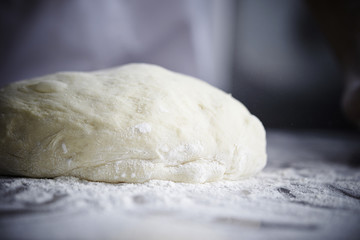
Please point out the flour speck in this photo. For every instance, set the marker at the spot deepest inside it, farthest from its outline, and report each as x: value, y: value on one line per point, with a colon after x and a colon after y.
x: 64, y: 148
x: 143, y: 127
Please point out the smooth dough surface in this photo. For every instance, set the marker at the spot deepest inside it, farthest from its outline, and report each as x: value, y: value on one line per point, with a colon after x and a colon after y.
x: 128, y: 124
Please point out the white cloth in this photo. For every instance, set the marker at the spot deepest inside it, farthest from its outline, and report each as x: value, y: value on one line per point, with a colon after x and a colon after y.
x: 81, y: 35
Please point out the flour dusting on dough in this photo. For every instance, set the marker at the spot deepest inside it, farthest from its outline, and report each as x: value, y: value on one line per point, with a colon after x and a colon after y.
x: 64, y: 148
x: 134, y: 123
x: 143, y: 128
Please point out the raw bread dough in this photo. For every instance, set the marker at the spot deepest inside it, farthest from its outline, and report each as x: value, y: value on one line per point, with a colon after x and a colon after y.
x: 128, y: 124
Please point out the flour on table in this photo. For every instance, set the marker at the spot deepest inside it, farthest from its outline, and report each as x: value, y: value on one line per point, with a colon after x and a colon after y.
x: 307, y: 191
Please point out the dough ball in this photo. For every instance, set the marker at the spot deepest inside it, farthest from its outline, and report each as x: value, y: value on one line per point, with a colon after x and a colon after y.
x: 128, y: 124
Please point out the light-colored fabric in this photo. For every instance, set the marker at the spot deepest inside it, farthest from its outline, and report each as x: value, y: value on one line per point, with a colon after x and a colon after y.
x: 81, y: 35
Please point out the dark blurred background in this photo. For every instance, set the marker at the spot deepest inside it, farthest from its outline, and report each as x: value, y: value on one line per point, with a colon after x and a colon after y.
x: 271, y: 55
x: 284, y: 70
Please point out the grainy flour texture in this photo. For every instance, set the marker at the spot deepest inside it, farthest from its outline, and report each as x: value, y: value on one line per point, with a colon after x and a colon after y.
x: 309, y: 190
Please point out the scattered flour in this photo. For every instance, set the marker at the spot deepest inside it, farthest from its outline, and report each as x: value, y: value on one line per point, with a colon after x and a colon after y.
x: 143, y: 127
x: 64, y: 148
x: 311, y: 196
